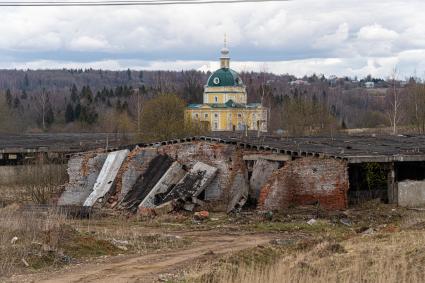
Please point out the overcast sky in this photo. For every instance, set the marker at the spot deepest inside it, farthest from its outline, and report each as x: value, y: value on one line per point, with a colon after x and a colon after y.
x: 331, y: 37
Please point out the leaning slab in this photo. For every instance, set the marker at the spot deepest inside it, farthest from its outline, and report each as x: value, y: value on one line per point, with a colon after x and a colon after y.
x: 144, y: 184
x: 173, y: 175
x: 106, y: 177
x: 83, y: 170
x: 193, y: 183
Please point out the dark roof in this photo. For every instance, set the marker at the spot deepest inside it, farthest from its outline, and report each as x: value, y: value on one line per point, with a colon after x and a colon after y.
x: 355, y: 149
x: 57, y: 142
x: 225, y: 77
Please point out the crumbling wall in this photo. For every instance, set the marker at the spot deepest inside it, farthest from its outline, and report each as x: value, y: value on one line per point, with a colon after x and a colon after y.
x: 219, y: 156
x: 307, y: 181
x: 411, y: 193
x: 261, y: 172
x: 83, y: 170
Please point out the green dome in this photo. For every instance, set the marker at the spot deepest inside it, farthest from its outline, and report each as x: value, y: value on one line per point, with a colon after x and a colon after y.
x: 224, y: 77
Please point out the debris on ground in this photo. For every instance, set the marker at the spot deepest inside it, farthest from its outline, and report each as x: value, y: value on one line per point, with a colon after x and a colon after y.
x: 201, y: 215
x: 13, y: 241
x: 312, y: 221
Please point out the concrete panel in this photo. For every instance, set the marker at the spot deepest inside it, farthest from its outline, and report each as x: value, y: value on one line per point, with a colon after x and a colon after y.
x: 83, y: 171
x: 173, y: 175
x: 133, y: 167
x: 106, y: 177
x: 193, y: 183
x: 261, y: 172
x: 411, y: 193
x: 238, y: 191
x: 156, y: 169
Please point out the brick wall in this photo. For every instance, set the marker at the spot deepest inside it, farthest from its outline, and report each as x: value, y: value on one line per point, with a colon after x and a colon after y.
x: 226, y: 158
x: 305, y: 181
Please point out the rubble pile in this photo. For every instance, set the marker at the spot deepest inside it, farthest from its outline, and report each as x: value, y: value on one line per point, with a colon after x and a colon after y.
x: 197, y: 176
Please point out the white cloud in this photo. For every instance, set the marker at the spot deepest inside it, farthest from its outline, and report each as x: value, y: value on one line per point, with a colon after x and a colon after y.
x: 87, y: 43
x: 376, y: 33
x: 328, y: 36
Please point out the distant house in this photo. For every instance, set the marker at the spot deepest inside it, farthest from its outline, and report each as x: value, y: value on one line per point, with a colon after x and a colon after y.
x: 299, y: 82
x: 369, y: 84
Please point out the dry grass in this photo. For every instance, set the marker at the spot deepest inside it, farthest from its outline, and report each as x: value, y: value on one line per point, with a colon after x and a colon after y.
x: 35, y: 234
x: 382, y: 257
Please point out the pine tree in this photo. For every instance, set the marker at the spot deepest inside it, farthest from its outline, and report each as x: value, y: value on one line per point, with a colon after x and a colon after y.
x: 69, y: 114
x: 9, y: 98
x: 74, y: 93
x: 77, y: 111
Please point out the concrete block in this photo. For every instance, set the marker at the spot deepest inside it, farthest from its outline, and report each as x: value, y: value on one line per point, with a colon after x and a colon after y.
x: 106, y: 177
x: 173, y: 175
x: 164, y: 208
x: 411, y: 193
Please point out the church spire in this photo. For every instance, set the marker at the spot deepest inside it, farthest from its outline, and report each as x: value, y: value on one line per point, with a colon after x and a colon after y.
x: 225, y: 59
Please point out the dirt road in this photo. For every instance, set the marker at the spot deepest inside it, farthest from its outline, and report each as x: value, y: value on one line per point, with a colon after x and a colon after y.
x: 147, y: 268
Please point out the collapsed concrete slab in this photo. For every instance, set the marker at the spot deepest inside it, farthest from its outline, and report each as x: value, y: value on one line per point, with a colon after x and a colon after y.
x: 173, y: 175
x: 261, y: 172
x: 132, y: 168
x: 106, y: 177
x: 238, y: 191
x: 411, y: 193
x: 193, y: 183
x: 307, y: 181
x: 83, y: 170
x: 158, y: 166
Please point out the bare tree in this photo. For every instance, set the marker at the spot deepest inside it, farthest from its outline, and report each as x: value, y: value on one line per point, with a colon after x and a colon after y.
x: 394, y: 102
x: 137, y: 101
x: 41, y: 103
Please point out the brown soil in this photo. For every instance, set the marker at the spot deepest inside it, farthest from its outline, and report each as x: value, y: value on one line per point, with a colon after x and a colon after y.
x: 147, y: 268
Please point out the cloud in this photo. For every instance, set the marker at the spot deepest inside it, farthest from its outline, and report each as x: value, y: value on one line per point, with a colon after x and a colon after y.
x: 87, y: 43
x: 376, y: 33
x: 306, y: 36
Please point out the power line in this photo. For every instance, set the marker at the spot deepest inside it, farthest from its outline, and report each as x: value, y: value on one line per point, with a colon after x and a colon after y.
x: 126, y: 3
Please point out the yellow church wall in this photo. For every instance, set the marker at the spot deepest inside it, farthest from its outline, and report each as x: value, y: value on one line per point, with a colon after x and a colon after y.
x: 238, y: 116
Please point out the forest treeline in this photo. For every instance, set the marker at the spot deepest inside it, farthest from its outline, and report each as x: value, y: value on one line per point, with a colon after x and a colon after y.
x: 117, y: 101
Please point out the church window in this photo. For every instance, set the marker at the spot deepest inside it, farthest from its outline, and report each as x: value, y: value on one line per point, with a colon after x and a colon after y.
x: 215, y: 99
x: 239, y: 115
x: 206, y: 115
x: 215, y: 125
x: 215, y: 115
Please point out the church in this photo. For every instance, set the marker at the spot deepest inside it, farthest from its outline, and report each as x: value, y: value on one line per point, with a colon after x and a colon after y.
x: 225, y: 106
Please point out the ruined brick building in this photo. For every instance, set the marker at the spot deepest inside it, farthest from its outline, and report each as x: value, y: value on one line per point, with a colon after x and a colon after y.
x: 269, y: 173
